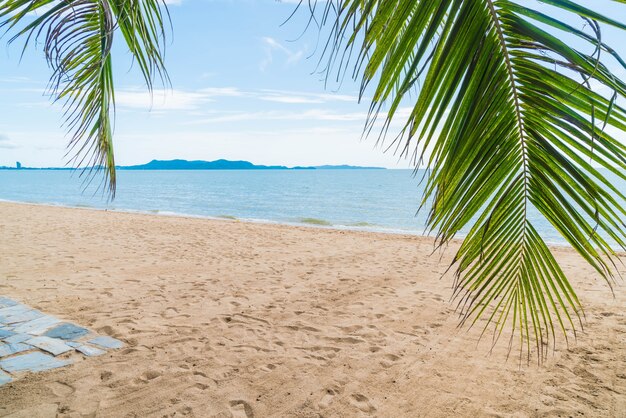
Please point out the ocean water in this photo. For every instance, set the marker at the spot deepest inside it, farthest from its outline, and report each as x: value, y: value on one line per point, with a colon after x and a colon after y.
x: 376, y: 200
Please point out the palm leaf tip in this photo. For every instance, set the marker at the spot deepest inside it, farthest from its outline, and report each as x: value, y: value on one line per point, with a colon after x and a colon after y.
x: 77, y: 38
x: 509, y: 124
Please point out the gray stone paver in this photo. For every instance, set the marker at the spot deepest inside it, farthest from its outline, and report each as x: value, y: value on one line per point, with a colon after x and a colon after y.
x: 32, y: 362
x: 17, y: 338
x: 53, y: 346
x: 106, y: 342
x: 4, y: 378
x: 5, y: 333
x: 8, y: 349
x: 89, y: 350
x: 26, y: 332
x: 67, y: 331
x: 37, y: 326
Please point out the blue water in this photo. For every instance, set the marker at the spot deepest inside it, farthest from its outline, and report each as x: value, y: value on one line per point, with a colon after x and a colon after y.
x: 379, y: 200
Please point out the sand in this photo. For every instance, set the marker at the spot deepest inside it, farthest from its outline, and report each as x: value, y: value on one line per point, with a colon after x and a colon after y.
x: 225, y: 318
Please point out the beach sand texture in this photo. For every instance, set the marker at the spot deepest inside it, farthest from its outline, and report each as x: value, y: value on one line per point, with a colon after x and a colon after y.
x: 232, y: 319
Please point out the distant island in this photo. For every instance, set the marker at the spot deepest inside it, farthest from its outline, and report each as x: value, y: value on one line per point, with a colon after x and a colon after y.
x: 207, y: 165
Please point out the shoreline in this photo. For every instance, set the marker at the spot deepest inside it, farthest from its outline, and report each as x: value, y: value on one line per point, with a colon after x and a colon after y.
x: 352, y: 228
x: 332, y: 227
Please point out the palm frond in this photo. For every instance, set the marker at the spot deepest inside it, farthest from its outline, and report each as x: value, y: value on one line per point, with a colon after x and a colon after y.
x: 77, y: 40
x: 510, y: 119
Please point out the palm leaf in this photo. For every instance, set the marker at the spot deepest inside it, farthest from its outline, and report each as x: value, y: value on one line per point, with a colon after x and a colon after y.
x: 78, y: 37
x: 507, y: 120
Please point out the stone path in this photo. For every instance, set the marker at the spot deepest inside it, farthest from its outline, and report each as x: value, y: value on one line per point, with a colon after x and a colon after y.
x: 31, y: 341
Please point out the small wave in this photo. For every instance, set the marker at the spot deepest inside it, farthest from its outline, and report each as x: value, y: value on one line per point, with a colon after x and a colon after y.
x: 231, y: 217
x: 315, y: 221
x: 362, y: 224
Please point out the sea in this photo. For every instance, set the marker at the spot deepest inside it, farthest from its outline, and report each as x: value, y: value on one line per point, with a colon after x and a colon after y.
x: 368, y: 200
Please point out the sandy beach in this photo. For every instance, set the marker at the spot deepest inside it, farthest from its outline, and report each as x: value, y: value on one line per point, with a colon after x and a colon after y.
x: 232, y: 319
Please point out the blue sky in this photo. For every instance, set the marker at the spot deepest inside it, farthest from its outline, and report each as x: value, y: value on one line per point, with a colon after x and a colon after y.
x: 243, y: 87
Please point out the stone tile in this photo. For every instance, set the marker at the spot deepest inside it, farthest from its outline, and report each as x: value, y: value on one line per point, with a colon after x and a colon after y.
x: 8, y: 349
x: 5, y: 333
x: 12, y: 310
x: 33, y: 362
x: 6, y: 302
x: 67, y: 332
x: 106, y: 342
x: 37, y: 326
x: 18, y: 338
x: 51, y: 345
x: 22, y: 317
x: 4, y: 378
x: 89, y: 350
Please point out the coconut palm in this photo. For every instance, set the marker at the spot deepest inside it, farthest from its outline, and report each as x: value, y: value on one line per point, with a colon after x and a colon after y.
x: 509, y: 109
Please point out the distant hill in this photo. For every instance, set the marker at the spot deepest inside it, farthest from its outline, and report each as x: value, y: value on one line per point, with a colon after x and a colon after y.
x: 346, y: 167
x: 229, y: 165
x: 208, y: 165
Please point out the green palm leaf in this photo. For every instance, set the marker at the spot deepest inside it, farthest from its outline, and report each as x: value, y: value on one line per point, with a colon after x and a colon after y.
x: 507, y: 121
x: 78, y: 37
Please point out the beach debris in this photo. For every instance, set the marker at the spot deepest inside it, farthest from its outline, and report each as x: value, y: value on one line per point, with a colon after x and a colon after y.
x: 32, y: 362
x: 67, y: 331
x: 28, y: 335
x: 53, y: 346
x: 106, y: 342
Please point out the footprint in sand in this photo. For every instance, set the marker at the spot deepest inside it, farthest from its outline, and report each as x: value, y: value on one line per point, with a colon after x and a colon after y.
x: 329, y: 397
x: 389, y: 360
x: 61, y: 389
x: 150, y: 375
x: 169, y: 313
x: 241, y: 409
x: 362, y: 402
x: 268, y: 367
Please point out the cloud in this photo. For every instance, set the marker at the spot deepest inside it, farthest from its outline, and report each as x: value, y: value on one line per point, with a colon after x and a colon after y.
x: 172, y: 100
x: 15, y: 80
x: 271, y: 45
x: 283, y: 96
x: 313, y: 114
x: 161, y: 99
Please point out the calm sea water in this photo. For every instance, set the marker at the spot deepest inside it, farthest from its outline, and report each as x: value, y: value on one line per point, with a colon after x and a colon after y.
x: 380, y: 200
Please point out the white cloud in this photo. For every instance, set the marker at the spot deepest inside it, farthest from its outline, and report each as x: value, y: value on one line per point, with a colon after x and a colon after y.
x: 161, y: 99
x: 312, y: 114
x: 284, y: 96
x: 271, y: 45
